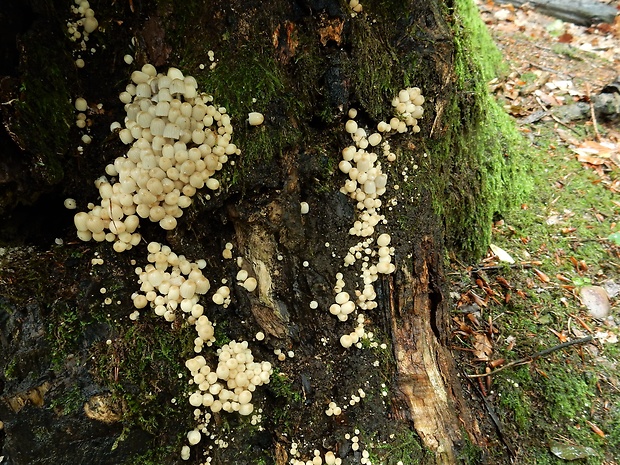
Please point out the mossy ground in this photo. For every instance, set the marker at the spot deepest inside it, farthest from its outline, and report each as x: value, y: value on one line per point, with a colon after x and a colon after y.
x: 571, y: 395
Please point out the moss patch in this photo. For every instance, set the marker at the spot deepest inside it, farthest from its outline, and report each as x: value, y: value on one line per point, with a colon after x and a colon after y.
x: 562, y: 229
x: 482, y: 152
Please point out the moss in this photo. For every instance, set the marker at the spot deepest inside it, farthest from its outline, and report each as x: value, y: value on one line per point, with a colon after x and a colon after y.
x: 373, y: 69
x: 473, y: 36
x: 568, y: 394
x: 404, y: 446
x: 141, y: 370
x: 70, y: 401
x: 10, y: 372
x: 64, y: 330
x: 282, y: 387
x: 481, y: 152
x: 155, y: 456
x: 513, y: 399
x: 469, y: 453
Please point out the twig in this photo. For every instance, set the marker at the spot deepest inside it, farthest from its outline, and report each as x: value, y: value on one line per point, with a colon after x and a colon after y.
x: 500, y: 267
x: 555, y: 118
x: 496, y: 421
x: 549, y: 70
x: 597, y: 135
x: 531, y: 358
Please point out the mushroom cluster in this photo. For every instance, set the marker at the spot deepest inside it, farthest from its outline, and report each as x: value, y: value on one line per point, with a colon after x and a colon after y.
x: 229, y: 388
x: 179, y: 140
x: 79, y: 29
x: 356, y: 6
x: 83, y: 26
x: 171, y: 282
x: 366, y: 184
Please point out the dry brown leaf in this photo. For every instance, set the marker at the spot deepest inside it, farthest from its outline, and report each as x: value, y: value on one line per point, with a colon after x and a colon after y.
x: 565, y: 38
x: 567, y: 137
x: 583, y: 157
x: 561, y: 336
x: 481, y: 303
x: 542, y: 276
x: 503, y: 282
x: 483, y: 347
x: 596, y: 429
x: 563, y: 278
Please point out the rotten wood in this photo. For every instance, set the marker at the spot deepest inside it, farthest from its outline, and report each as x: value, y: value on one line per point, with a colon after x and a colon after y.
x: 426, y: 378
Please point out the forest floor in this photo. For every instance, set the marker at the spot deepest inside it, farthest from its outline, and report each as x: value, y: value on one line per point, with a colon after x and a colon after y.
x: 538, y: 318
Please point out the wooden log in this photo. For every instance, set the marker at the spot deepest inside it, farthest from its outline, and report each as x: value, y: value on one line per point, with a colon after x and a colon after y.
x: 582, y: 12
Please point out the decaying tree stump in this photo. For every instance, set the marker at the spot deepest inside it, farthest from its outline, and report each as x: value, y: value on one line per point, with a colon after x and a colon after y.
x: 303, y: 65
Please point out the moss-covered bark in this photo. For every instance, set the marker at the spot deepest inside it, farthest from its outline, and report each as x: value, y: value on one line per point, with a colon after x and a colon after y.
x: 303, y: 65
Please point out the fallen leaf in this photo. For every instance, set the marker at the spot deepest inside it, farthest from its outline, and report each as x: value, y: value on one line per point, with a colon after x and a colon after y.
x: 570, y: 451
x: 471, y: 317
x: 584, y: 157
x: 567, y: 137
x: 606, y: 337
x: 542, y: 276
x: 501, y: 254
x: 563, y: 278
x: 561, y: 336
x: 503, y: 282
x: 477, y: 299
x: 596, y: 429
x: 482, y: 346
x: 554, y: 219
x: 596, y: 300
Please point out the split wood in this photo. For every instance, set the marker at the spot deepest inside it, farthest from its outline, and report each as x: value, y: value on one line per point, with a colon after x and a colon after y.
x: 531, y: 358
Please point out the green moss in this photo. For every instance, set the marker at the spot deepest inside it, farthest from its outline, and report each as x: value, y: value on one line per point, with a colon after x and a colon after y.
x: 282, y: 387
x: 155, y: 456
x: 136, y: 369
x: 474, y: 41
x: 10, y: 372
x: 64, y: 330
x: 469, y: 453
x: 405, y: 447
x: 515, y: 404
x: 481, y: 151
x: 568, y: 395
x: 567, y: 51
x: 70, y: 401
x: 373, y: 68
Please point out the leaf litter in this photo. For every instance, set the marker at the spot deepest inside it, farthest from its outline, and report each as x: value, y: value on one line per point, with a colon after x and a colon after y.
x: 546, y: 294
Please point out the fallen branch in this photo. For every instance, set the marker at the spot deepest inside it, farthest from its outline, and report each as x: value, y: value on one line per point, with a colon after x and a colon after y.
x: 583, y: 12
x: 531, y: 358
